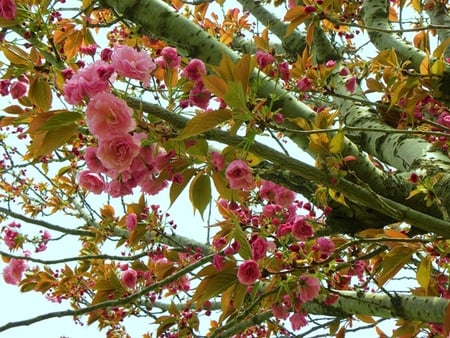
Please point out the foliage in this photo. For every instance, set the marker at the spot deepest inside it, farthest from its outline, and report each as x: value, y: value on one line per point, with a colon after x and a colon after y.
x: 323, y: 161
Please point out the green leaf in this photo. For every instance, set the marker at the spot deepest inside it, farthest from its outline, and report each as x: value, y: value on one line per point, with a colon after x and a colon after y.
x: 40, y: 93
x: 337, y: 143
x: 423, y: 274
x: 200, y: 192
x: 59, y: 120
x: 177, y: 188
x: 203, y: 122
x: 237, y: 99
x: 212, y: 286
x: 245, y: 251
x: 393, y: 262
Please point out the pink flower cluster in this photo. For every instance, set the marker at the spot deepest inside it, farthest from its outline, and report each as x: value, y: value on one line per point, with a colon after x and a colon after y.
x: 95, y: 78
x: 17, y: 89
x: 276, y: 194
x: 12, y: 273
x: 11, y: 236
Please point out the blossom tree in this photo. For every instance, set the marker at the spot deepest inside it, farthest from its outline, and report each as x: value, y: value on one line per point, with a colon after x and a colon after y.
x: 314, y: 132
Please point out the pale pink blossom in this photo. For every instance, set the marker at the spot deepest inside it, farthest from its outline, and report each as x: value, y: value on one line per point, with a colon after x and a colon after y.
x: 117, y: 152
x: 129, y: 278
x: 12, y: 273
x: 131, y: 221
x: 248, y: 272
x: 308, y: 289
x: 169, y: 58
x: 91, y: 181
x: 8, y: 9
x: 330, y: 63
x: 259, y: 248
x: 108, y: 115
x: 264, y: 59
x: 301, y: 230
x: 298, y: 320
x: 128, y: 62
x: 88, y: 81
x: 239, y: 175
x: 18, y: 89
x: 275, y: 193
x: 194, y: 70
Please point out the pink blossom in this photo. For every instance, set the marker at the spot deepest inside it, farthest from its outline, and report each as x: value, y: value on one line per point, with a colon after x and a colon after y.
x: 301, y: 230
x: 131, y: 221
x: 330, y: 63
x: 324, y: 246
x: 106, y: 54
x: 152, y: 186
x: 18, y: 89
x: 129, y: 278
x: 89, y: 49
x: 350, y: 84
x: 92, y: 161
x: 239, y: 175
x: 284, y: 229
x: 298, y: 320
x: 194, y: 70
x: 248, y: 272
x: 218, y: 262
x: 8, y: 9
x: 218, y: 160
x: 275, y: 193
x: 91, y: 181
x: 199, y: 96
x: 4, y: 87
x: 108, y: 115
x: 169, y: 58
x: 304, y: 84
x: 86, y: 82
x: 283, y: 70
x: 12, y: 273
x: 259, y: 248
x: 117, y: 152
x: 264, y: 59
x: 115, y: 188
x: 128, y: 62
x: 280, y: 311
x: 309, y: 287
x: 10, y: 237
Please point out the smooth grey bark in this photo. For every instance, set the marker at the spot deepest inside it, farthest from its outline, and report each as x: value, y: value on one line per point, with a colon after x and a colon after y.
x: 414, y: 308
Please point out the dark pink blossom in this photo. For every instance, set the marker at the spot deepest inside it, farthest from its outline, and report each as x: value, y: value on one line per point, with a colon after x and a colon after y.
x: 259, y: 248
x: 129, y: 278
x: 218, y: 160
x: 350, y: 84
x: 194, y: 70
x: 248, y: 272
x: 18, y: 89
x: 218, y: 262
x: 169, y: 58
x: 304, y: 84
x: 8, y: 9
x: 324, y: 246
x: 199, y: 96
x: 264, y: 59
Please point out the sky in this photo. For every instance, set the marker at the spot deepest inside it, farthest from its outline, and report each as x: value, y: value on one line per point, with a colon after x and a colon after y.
x: 17, y: 306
